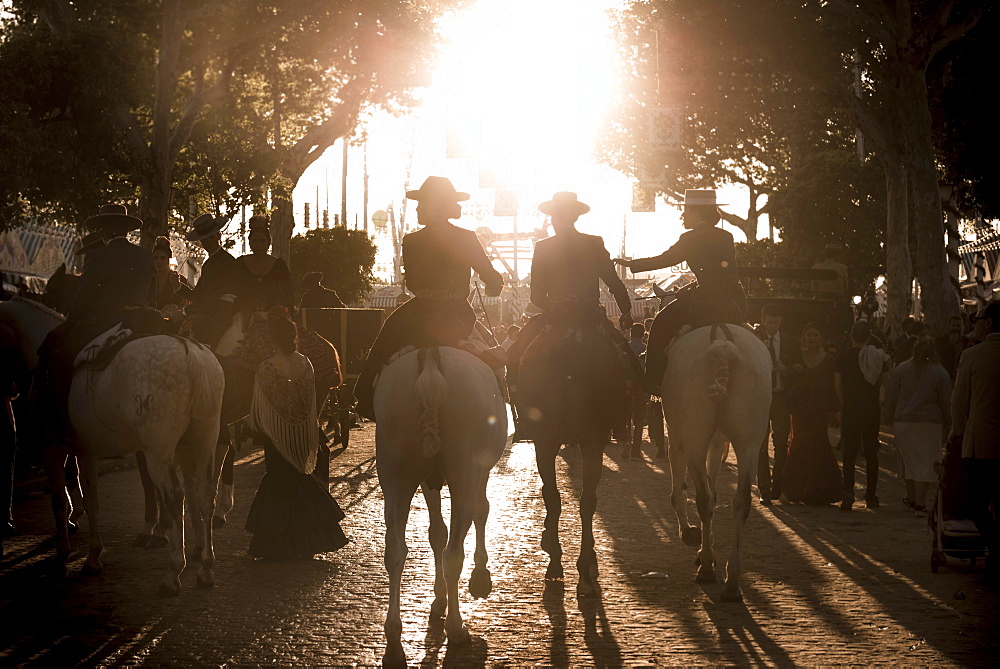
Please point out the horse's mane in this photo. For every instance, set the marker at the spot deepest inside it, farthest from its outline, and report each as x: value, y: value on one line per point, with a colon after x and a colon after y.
x: 48, y: 311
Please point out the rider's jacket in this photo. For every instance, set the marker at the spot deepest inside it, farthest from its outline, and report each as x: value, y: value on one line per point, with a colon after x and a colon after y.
x: 221, y: 274
x: 567, y: 268
x: 439, y: 259
x: 709, y: 252
x: 117, y: 275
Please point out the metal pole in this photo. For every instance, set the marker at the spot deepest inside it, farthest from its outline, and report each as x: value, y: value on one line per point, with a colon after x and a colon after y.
x: 343, y: 188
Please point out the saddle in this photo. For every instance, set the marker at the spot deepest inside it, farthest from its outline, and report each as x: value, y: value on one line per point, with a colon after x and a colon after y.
x: 136, y: 324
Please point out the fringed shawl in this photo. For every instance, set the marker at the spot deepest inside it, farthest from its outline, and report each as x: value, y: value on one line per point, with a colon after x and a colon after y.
x: 285, y: 411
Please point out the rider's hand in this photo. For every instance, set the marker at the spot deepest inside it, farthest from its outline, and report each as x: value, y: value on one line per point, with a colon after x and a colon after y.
x: 623, y: 262
x: 625, y: 321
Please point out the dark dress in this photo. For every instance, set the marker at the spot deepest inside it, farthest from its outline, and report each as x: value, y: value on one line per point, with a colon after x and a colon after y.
x: 261, y: 292
x: 812, y: 474
x: 293, y: 514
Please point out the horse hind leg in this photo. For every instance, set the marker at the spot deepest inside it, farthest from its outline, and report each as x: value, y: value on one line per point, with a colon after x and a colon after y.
x: 706, y: 511
x: 746, y: 457
x: 151, y: 534
x: 170, y: 494
x: 88, y: 479
x: 481, y: 581
x: 586, y: 564
x: 225, y: 453
x: 397, y: 509
x: 55, y: 470
x: 438, y: 535
x: 201, y: 484
x: 690, y: 534
x: 463, y: 510
x: 545, y: 460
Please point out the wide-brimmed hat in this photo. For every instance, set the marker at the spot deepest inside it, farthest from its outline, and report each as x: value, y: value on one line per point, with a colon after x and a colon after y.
x: 562, y: 201
x: 700, y: 197
x: 89, y: 242
x: 204, y: 226
x: 113, y: 218
x: 437, y: 188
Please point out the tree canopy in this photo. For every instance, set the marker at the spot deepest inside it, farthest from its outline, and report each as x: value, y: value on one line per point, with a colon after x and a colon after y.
x: 345, y: 257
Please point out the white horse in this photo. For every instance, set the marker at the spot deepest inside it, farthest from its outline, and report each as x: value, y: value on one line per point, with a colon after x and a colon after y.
x: 160, y: 395
x: 718, y: 380
x: 440, y: 420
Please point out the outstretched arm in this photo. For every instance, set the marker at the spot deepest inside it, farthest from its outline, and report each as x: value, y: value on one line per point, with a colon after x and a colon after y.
x: 484, y: 268
x: 675, y: 255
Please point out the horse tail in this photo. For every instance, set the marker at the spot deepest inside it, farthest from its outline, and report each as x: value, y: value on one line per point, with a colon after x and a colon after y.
x: 722, y: 353
x: 432, y: 388
x: 205, y: 397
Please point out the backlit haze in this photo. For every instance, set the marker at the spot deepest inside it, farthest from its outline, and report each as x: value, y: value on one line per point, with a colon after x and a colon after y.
x: 517, y: 98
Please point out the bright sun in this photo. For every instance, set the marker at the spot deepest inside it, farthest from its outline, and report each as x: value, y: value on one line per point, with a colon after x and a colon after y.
x: 525, y: 84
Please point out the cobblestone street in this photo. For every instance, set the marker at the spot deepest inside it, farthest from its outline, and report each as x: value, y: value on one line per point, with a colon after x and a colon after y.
x: 821, y: 586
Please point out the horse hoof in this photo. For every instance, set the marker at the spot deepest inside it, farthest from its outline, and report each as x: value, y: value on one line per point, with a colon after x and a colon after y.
x: 218, y: 522
x: 691, y: 536
x: 585, y: 588
x: 207, y: 581
x: 733, y: 594
x: 169, y: 590
x: 458, y: 637
x: 88, y: 570
x: 394, y: 657
x: 157, y: 541
x: 480, y: 583
x: 554, y: 572
x: 705, y: 576
x: 439, y: 607
x: 141, y: 540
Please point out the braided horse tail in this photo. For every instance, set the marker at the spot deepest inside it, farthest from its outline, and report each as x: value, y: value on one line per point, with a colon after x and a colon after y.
x: 432, y: 389
x: 722, y: 352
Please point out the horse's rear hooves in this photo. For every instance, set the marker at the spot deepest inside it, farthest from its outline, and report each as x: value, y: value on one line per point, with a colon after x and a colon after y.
x: 205, y: 581
x: 157, y: 541
x: 586, y: 588
x: 458, y: 637
x: 88, y: 571
x: 691, y: 535
x: 141, y: 540
x: 731, y: 594
x: 169, y: 590
x: 394, y: 658
x: 554, y: 572
x: 480, y: 583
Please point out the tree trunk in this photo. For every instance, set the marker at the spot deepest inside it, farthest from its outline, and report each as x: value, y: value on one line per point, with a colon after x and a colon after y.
x: 938, y: 300
x: 282, y: 226
x: 154, y: 207
x: 898, y: 269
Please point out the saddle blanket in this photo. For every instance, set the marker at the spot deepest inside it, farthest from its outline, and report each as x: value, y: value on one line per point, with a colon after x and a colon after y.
x: 103, y: 347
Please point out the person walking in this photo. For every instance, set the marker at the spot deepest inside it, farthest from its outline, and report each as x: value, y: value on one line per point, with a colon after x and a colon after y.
x: 292, y: 515
x: 811, y: 474
x: 786, y: 359
x: 918, y: 407
x: 857, y: 380
x: 975, y: 413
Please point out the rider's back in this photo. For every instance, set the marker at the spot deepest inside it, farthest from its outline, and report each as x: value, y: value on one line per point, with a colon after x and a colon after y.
x: 116, y: 276
x: 568, y: 268
x: 439, y: 260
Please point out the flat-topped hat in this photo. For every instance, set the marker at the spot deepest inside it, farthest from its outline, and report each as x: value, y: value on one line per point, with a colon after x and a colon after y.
x: 437, y: 188
x: 204, y: 226
x: 113, y: 218
x: 91, y: 241
x: 700, y: 197
x: 562, y: 201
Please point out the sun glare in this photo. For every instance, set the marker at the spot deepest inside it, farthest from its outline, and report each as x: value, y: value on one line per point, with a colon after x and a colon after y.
x: 525, y: 84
